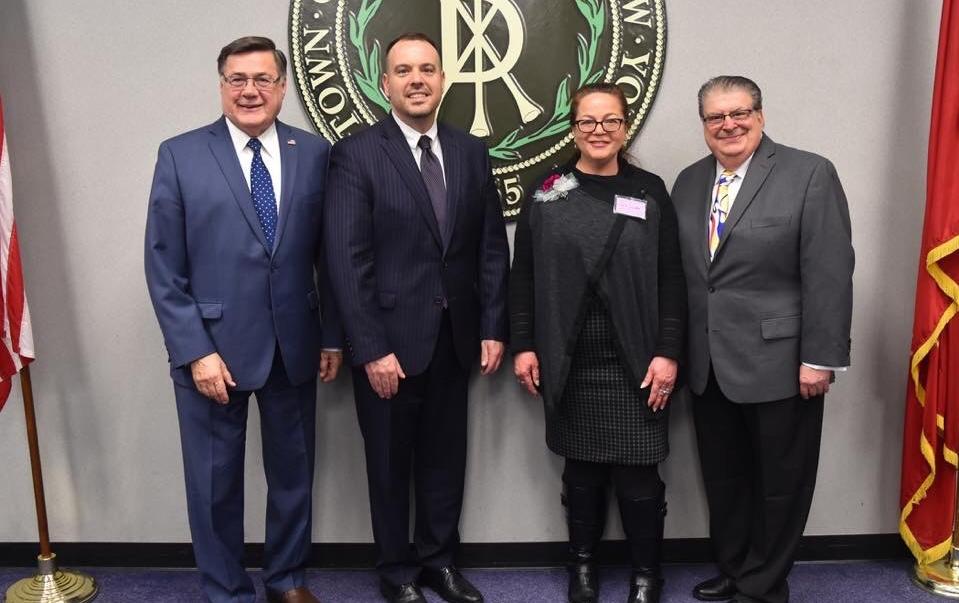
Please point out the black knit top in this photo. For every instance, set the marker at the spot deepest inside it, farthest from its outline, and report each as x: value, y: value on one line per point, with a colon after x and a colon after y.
x: 630, y: 181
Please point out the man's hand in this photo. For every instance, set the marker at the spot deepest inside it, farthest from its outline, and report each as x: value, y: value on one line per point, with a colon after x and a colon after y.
x: 212, y: 377
x: 813, y: 382
x: 330, y: 363
x: 384, y: 375
x: 526, y: 369
x: 662, y: 375
x: 491, y: 354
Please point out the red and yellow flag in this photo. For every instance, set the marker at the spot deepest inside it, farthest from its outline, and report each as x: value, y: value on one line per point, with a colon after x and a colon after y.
x: 931, y: 431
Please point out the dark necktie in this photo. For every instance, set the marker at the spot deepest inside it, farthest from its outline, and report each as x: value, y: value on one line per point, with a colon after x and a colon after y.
x: 261, y: 189
x: 433, y: 178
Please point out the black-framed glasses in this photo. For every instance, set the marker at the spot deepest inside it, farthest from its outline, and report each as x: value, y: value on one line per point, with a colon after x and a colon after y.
x: 610, y: 124
x: 262, y: 82
x: 714, y: 120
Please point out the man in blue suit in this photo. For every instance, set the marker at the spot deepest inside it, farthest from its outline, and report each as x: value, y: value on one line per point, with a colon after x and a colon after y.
x: 232, y: 247
x: 419, y: 261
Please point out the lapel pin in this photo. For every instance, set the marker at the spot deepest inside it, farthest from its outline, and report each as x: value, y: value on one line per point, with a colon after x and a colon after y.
x: 291, y: 142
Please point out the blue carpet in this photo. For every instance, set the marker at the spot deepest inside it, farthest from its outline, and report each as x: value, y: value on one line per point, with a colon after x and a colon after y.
x: 852, y: 582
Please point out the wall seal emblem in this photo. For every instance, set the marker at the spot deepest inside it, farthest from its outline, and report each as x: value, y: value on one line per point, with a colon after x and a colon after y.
x: 511, y: 67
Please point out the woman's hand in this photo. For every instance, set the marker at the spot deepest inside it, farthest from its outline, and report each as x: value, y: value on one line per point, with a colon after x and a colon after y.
x: 661, y: 374
x: 526, y: 369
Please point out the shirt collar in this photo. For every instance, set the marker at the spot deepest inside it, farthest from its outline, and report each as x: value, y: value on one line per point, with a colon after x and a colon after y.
x: 740, y: 171
x: 269, y: 139
x: 413, y: 136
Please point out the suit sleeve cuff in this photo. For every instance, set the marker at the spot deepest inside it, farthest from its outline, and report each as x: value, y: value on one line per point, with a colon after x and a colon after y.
x: 819, y: 367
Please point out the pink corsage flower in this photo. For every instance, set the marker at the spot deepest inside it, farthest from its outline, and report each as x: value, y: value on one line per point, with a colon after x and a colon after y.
x: 556, y: 186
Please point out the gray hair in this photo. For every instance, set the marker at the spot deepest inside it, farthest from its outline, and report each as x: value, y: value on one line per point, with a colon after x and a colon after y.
x: 727, y: 82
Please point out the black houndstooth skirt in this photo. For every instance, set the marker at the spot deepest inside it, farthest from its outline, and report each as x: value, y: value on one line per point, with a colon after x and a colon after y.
x: 600, y: 417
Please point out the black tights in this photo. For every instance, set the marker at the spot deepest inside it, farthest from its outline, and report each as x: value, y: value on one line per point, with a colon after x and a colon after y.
x: 629, y: 481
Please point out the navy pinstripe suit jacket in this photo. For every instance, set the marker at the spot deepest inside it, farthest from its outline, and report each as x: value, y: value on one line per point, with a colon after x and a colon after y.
x: 390, y: 272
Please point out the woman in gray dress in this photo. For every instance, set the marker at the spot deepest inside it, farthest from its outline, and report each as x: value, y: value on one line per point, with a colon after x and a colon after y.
x: 597, y: 316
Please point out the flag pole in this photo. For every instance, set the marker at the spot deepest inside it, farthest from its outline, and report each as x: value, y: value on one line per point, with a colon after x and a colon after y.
x: 942, y: 577
x: 50, y: 583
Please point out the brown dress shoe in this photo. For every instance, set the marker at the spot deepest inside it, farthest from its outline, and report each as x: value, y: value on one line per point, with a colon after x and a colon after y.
x: 297, y: 595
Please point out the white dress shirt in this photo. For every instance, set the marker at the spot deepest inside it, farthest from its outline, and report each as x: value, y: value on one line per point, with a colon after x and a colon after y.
x: 734, y: 186
x: 269, y: 152
x: 736, y: 183
x: 413, y: 140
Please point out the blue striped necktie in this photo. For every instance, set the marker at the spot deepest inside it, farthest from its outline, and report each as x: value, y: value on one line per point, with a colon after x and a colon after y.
x: 261, y: 189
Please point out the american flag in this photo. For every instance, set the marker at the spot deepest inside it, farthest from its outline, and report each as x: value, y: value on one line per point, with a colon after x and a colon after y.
x: 16, y: 341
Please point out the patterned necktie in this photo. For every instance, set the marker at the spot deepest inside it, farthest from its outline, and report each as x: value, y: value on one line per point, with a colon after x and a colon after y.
x: 261, y: 189
x: 433, y: 178
x: 717, y: 217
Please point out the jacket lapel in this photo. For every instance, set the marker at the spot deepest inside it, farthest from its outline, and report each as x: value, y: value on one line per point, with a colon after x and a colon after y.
x: 288, y: 161
x: 221, y: 146
x: 452, y: 166
x: 394, y: 143
x: 707, y: 176
x: 759, y: 168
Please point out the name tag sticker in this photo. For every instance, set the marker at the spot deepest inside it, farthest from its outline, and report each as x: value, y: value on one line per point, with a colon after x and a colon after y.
x: 630, y: 206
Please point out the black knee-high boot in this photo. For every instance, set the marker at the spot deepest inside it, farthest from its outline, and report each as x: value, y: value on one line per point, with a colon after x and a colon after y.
x: 643, y: 520
x: 585, y: 518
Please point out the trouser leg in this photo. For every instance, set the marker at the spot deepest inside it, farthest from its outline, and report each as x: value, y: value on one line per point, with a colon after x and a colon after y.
x: 726, y: 456
x: 787, y: 433
x: 389, y: 428
x: 213, y: 441
x: 288, y: 428
x: 440, y: 455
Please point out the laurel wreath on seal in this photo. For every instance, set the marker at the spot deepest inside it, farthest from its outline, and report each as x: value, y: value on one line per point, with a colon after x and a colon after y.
x: 595, y: 15
x: 368, y: 75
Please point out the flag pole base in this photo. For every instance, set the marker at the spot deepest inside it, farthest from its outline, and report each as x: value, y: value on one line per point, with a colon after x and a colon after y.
x: 939, y: 577
x: 53, y: 585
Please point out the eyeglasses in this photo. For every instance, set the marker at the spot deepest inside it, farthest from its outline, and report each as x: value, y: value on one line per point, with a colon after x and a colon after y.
x: 610, y: 124
x: 262, y: 82
x: 715, y: 120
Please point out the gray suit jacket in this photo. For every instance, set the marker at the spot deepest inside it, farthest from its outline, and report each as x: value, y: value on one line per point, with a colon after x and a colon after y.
x: 779, y: 290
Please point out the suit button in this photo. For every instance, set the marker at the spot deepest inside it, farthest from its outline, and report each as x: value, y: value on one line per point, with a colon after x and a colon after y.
x: 438, y: 301
x: 712, y: 289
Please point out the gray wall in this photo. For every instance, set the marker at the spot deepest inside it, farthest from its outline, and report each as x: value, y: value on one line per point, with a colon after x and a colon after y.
x: 91, y: 89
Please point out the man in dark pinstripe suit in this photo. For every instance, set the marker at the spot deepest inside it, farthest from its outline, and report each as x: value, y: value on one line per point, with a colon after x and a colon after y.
x: 418, y: 258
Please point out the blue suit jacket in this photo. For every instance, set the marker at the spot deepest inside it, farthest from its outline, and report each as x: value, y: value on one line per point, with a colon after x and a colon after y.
x: 388, y: 263
x: 215, y: 285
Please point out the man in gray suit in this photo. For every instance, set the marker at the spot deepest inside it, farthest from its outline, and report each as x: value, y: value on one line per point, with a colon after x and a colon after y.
x: 766, y: 246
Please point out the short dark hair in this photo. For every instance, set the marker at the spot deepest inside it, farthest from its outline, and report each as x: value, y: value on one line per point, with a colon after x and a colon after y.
x: 600, y: 87
x: 411, y: 36
x: 252, y: 44
x: 727, y: 82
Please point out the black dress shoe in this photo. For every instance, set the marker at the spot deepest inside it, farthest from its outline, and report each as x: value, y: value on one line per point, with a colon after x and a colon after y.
x: 720, y: 588
x: 583, y: 585
x: 404, y: 593
x: 450, y: 585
